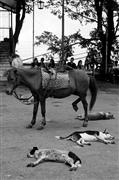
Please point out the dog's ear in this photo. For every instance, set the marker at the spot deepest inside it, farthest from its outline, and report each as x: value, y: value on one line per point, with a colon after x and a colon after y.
x: 105, y: 131
x: 32, y: 152
x: 35, y: 148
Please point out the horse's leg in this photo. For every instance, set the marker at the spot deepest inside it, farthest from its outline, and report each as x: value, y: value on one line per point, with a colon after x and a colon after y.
x: 85, y: 106
x: 43, y: 111
x: 74, y: 104
x: 35, y: 110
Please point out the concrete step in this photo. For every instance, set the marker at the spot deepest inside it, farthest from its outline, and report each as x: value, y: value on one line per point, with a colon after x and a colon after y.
x: 3, y: 67
x: 4, y: 58
x: 4, y: 63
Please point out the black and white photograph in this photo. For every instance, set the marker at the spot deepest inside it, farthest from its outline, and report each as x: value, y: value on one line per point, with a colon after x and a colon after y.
x: 59, y: 89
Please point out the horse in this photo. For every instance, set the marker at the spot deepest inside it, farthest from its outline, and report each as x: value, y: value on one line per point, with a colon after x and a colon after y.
x: 79, y: 83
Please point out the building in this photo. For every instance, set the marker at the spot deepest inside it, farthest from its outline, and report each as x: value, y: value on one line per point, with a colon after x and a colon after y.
x: 7, y: 8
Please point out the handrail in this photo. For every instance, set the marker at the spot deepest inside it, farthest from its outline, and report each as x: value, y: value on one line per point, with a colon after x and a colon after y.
x: 55, y: 58
x: 35, y: 56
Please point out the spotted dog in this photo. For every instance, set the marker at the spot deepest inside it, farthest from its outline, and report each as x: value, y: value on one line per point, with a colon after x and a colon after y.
x: 42, y: 155
x: 85, y: 137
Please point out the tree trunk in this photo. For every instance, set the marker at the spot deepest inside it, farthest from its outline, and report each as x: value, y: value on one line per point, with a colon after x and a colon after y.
x: 106, y: 38
x: 110, y: 29
x: 20, y: 16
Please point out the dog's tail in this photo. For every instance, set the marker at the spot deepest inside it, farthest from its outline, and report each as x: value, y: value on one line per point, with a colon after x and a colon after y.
x: 61, y: 137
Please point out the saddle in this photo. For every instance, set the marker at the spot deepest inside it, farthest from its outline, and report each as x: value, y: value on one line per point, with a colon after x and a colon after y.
x: 55, y: 80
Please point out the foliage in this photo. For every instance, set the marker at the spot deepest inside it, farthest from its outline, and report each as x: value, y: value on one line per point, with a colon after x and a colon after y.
x: 54, y: 43
x: 103, y: 12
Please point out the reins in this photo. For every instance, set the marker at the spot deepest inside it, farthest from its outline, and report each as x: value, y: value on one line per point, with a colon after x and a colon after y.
x: 23, y: 100
x: 26, y: 101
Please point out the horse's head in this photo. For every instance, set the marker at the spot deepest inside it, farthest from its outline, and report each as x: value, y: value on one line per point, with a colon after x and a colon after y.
x: 13, y: 80
x: 30, y: 78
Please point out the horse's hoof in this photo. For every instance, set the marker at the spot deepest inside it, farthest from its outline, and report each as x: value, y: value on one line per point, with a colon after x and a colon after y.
x: 75, y: 107
x: 43, y: 123
x: 85, y: 124
x: 29, y: 126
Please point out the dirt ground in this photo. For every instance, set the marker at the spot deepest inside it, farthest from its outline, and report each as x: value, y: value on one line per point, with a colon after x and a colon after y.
x: 99, y: 161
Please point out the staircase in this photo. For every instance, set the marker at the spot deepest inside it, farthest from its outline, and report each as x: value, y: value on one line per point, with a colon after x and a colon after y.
x: 4, y: 58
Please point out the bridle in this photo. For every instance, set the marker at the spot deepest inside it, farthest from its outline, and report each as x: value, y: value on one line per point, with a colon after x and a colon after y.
x: 26, y: 100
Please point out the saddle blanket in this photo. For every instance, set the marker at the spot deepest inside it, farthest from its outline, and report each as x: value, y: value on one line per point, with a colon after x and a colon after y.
x: 55, y: 80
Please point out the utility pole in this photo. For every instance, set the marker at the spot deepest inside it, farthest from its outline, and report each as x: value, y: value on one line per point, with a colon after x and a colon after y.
x: 62, y: 45
x: 33, y: 32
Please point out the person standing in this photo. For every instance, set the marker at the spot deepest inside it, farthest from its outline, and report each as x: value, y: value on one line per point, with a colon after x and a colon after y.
x: 71, y: 63
x: 52, y: 63
x: 42, y: 64
x: 35, y: 63
x: 79, y: 65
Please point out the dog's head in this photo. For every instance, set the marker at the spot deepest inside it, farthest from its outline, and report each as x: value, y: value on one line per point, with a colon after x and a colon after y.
x: 109, y: 115
x: 107, y: 135
x: 32, y: 152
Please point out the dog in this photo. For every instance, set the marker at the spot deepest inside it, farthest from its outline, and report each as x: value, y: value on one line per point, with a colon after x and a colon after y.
x: 97, y: 116
x: 85, y: 137
x: 67, y: 157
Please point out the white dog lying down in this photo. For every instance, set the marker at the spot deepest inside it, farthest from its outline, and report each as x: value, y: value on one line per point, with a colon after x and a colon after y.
x: 85, y: 137
x: 66, y: 157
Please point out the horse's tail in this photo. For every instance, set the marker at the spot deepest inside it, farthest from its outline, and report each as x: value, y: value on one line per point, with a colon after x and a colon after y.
x: 93, y: 90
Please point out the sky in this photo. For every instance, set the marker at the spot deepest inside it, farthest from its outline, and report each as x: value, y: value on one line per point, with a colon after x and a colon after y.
x: 45, y: 21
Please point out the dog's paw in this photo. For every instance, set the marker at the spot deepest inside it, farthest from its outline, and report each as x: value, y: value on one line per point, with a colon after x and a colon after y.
x: 30, y: 165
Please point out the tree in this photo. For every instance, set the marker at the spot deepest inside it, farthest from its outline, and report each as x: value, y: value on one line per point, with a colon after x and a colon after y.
x: 20, y: 16
x: 106, y: 30
x: 104, y: 13
x: 54, y: 43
